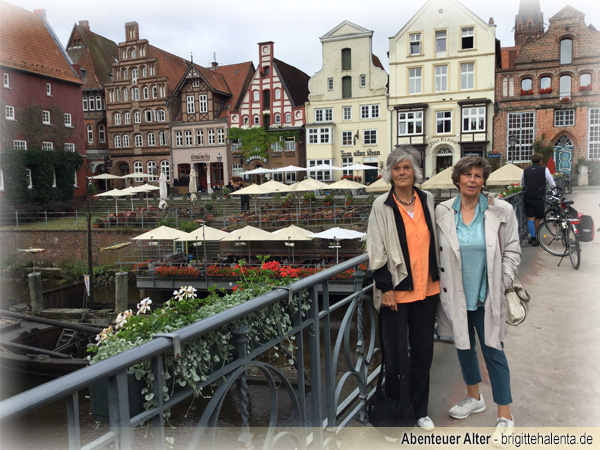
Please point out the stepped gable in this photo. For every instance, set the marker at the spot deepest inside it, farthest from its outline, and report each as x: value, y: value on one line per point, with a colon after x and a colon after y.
x: 96, y: 55
x: 28, y: 43
x: 238, y: 78
x: 295, y: 82
x: 169, y: 65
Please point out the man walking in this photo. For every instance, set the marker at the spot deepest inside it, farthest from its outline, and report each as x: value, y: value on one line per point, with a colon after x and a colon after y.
x: 534, y: 182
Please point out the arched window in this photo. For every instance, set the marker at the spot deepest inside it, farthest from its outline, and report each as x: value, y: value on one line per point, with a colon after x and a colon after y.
x: 127, y: 118
x: 125, y: 74
x: 138, y: 167
x: 166, y: 169
x: 154, y: 91
x: 277, y: 118
x: 565, y: 88
x: 505, y: 87
x: 160, y: 115
x: 146, y: 92
x: 125, y: 140
x: 133, y: 53
x: 148, y: 115
x: 117, y: 119
x: 90, y: 134
x: 117, y: 141
x: 134, y: 75
x: 125, y: 95
x: 162, y: 138
x: 101, y: 134
x: 151, y: 170
x: 346, y: 59
x: 288, y: 117
x: 135, y: 94
x: 151, y: 139
x: 246, y: 120
x: 511, y: 87
x: 277, y: 94
x: 545, y: 85
x: 566, y: 51
x: 139, y: 140
x: 144, y: 71
x: 256, y: 120
x: 526, y: 86
x: 255, y: 96
x: 585, y: 82
x: 137, y: 117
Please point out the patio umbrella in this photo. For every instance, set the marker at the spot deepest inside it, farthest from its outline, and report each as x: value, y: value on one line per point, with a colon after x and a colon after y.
x: 289, y: 235
x: 248, y: 233
x: 129, y: 191
x: 193, y: 185
x: 290, y: 169
x: 136, y: 175
x: 253, y: 189
x: 145, y: 188
x: 275, y: 186
x: 507, y: 174
x: 359, y: 167
x: 162, y: 233
x: 337, y: 234
x: 346, y: 184
x: 114, y: 193
x: 308, y: 184
x: 162, y: 184
x: 105, y: 176
x: 204, y: 233
x: 442, y: 180
x: 379, y: 186
x: 257, y: 171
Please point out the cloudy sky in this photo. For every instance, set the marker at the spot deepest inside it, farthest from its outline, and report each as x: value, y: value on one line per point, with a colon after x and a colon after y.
x: 232, y: 28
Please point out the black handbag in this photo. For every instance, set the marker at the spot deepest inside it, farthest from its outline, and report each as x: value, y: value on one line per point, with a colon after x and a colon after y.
x: 385, y: 411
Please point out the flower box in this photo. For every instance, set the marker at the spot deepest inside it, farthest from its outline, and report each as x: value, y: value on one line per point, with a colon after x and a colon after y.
x: 526, y: 91
x: 585, y: 88
x: 546, y: 91
x: 565, y: 99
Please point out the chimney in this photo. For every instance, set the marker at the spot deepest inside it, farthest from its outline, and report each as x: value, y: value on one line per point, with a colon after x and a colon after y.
x: 85, y: 24
x: 40, y: 12
x: 491, y: 21
x: 215, y: 65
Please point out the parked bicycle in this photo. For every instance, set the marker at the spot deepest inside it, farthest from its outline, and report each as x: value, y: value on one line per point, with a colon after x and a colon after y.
x: 558, y: 233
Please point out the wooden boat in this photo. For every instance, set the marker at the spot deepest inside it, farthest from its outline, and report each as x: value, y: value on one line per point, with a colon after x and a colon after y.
x: 43, y: 347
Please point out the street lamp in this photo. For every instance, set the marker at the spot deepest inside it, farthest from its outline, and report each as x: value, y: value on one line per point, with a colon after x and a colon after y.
x: 512, y: 145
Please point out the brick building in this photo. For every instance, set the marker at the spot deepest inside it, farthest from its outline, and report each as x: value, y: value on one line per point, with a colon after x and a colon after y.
x: 140, y: 106
x: 94, y: 55
x: 547, y: 89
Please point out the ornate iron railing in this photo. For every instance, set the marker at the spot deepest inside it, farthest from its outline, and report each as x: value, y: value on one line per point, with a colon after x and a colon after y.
x: 334, y: 371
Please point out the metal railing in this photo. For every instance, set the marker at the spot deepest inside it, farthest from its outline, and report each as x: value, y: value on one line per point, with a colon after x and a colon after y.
x: 337, y: 369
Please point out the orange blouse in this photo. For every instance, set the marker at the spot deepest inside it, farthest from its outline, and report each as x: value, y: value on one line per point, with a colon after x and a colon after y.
x: 417, y: 239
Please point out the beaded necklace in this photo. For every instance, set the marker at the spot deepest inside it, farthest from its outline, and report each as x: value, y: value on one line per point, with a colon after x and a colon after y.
x: 403, y: 202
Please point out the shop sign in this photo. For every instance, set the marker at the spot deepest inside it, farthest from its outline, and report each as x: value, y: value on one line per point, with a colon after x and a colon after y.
x: 255, y: 157
x: 200, y: 157
x: 437, y: 141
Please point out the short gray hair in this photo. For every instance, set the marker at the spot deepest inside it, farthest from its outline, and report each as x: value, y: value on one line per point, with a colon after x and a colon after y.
x: 466, y: 163
x: 401, y: 153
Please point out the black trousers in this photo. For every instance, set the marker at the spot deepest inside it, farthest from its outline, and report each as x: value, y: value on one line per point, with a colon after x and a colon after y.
x: 407, y: 372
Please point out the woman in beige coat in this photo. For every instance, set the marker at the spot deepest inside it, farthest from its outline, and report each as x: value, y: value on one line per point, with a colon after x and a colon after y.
x: 479, y: 253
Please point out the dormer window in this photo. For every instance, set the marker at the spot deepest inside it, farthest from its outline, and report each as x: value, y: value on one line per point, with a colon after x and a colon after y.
x: 467, y: 38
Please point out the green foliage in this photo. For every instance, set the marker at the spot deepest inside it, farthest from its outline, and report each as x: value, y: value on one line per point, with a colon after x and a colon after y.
x: 258, y: 138
x: 188, y: 225
x: 309, y: 195
x: 209, y: 206
x: 544, y: 148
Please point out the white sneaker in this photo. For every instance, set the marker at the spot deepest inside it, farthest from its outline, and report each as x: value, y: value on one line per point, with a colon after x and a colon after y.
x: 502, y: 437
x: 466, y: 407
x: 426, y: 423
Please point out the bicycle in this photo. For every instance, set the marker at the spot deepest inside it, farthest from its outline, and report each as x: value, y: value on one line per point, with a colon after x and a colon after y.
x: 558, y: 235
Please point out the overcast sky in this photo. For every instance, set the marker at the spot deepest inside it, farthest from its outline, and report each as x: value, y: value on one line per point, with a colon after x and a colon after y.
x: 231, y: 29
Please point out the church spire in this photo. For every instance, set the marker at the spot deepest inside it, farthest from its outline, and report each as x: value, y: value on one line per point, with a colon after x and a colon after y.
x: 529, y: 23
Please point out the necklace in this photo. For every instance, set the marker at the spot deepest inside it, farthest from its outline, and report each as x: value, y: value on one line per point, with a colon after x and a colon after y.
x: 403, y: 202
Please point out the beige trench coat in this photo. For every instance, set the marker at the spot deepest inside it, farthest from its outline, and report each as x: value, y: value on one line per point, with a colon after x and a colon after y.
x: 501, y: 231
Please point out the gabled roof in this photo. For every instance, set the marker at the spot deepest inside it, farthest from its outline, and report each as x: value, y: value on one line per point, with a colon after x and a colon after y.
x: 568, y: 12
x: 212, y: 78
x: 238, y: 78
x: 28, y: 43
x: 350, y: 30
x: 295, y: 82
x: 96, y: 56
x: 171, y: 66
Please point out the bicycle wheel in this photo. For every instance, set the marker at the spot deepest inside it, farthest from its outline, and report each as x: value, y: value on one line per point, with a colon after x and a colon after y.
x: 574, y: 247
x: 549, y: 235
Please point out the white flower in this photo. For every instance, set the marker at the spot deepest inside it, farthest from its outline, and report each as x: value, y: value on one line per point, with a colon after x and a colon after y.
x: 144, y: 306
x: 185, y: 293
x: 106, y: 333
x: 122, y: 318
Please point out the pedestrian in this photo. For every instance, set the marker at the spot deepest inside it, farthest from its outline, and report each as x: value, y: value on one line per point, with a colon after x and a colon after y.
x: 534, y: 181
x: 479, y: 254
x: 401, y: 243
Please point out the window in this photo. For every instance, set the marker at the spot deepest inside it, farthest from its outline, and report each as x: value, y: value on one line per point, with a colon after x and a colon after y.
x: 346, y: 138
x: 346, y: 59
x: 346, y: 87
x: 324, y: 115
x: 345, y: 163
x: 211, y: 137
x: 85, y: 102
x: 146, y: 93
x: 362, y: 81
x: 267, y: 71
x: 565, y: 87
x: 414, y: 44
x: 203, y: 103
x: 277, y: 94
x: 594, y: 133
x: 162, y: 138
x: 148, y: 115
x: 256, y: 120
x: 49, y: 89
x: 414, y: 80
x: 545, y: 85
x: 154, y: 91
x: 330, y: 84
x: 200, y: 137
x: 276, y: 147
x: 20, y: 145
x: 191, y: 104
x: 319, y: 135
x: 10, y: 112
x: 91, y: 104
x: 101, y: 134
x: 564, y: 118
x: 196, y: 82
x: 440, y: 42
x: 441, y: 78
x: 188, y: 138
x: 134, y: 75
x: 151, y: 170
x: 290, y: 145
x: 127, y: 117
x: 151, y: 139
x: 221, y: 133
x: 443, y: 122
x: 47, y: 146
x: 138, y: 167
x: 526, y: 86
x: 117, y: 141
x: 126, y: 140
x: 467, y: 41
x: 288, y: 117
x: 125, y: 95
x: 125, y: 74
x: 467, y: 76
x: 68, y: 120
x: 522, y: 127
x: 369, y: 111
x: 46, y: 117
x: 277, y: 118
x: 69, y: 147
x: 566, y: 51
x: 137, y: 117
x: 160, y: 115
x: 139, y: 140
x: 166, y: 169
x: 321, y: 175
x: 473, y: 119
x: 410, y: 123
x: 135, y: 94
x: 255, y: 96
x: 585, y: 82
x: 90, y: 134
x: 98, y: 103
x: 370, y: 137
x: 237, y: 170
x: 347, y: 112
x: 144, y: 71
x: 29, y: 179
x: 7, y: 80
x: 178, y: 138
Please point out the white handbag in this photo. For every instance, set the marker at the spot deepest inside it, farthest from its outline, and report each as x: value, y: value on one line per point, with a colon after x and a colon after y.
x: 517, y: 303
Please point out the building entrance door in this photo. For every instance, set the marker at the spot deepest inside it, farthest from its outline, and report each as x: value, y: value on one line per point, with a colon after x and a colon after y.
x: 563, y: 155
x: 443, y: 159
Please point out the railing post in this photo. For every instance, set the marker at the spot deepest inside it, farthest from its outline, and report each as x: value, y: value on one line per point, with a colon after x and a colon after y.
x: 241, y: 342
x: 316, y: 391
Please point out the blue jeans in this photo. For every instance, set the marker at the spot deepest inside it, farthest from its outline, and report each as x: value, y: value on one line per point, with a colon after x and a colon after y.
x: 495, y: 360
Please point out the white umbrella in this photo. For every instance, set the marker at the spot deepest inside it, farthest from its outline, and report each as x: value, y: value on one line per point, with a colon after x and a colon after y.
x: 359, y: 167
x: 379, y: 186
x: 162, y: 233
x: 105, y: 176
x: 275, y: 186
x: 290, y: 169
x: 114, y: 193
x: 346, y: 185
x: 130, y: 191
x: 162, y: 184
x: 253, y: 189
x: 507, y: 174
x: 144, y: 188
x: 308, y: 184
x: 290, y: 234
x: 337, y: 234
x: 321, y: 167
x: 257, y: 171
x: 193, y: 186
x: 442, y: 180
x: 204, y: 233
x: 136, y: 175
x: 248, y: 233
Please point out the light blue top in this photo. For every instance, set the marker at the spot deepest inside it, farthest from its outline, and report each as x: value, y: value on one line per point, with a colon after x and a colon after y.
x: 471, y: 239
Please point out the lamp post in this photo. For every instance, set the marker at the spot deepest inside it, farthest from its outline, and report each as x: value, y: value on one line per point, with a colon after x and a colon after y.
x: 89, y: 245
x: 512, y: 144
x: 221, y: 179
